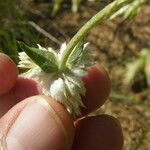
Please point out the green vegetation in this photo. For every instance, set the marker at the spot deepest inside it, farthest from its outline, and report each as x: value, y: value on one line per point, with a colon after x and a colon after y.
x: 58, y: 3
x: 142, y: 63
x: 130, y: 10
x: 16, y: 25
x: 13, y: 27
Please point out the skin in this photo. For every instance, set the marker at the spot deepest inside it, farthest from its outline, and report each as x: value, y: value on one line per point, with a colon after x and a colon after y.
x: 97, y: 84
x: 23, y: 118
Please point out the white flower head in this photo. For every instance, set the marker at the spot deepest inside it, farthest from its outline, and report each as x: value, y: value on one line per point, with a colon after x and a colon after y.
x: 65, y: 87
x: 57, y: 89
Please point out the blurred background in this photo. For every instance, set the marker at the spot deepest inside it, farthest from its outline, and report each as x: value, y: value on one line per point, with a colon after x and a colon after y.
x: 121, y: 45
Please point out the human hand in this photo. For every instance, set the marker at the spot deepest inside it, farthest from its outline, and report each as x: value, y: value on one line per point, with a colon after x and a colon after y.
x: 40, y: 123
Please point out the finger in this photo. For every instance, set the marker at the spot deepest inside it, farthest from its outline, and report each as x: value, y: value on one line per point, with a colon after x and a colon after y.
x: 8, y: 74
x: 100, y: 132
x: 38, y: 123
x: 97, y: 84
x: 23, y: 88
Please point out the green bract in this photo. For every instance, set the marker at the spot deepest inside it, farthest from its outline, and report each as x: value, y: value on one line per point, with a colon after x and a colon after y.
x: 76, y: 56
x: 46, y: 60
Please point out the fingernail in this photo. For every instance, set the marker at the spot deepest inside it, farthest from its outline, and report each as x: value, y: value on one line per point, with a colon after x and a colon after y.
x: 38, y: 127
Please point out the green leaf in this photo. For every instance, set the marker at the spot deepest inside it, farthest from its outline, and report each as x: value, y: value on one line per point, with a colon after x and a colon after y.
x: 76, y: 56
x: 46, y: 60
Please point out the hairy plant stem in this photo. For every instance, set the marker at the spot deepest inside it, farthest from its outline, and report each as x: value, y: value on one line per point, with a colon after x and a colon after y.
x: 99, y: 17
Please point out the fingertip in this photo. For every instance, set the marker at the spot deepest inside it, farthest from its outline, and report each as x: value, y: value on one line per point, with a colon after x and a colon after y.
x: 8, y: 74
x: 40, y: 119
x: 98, y: 86
x: 99, y: 132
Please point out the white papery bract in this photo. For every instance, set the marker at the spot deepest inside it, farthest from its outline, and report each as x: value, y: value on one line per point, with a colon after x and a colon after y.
x: 64, y: 87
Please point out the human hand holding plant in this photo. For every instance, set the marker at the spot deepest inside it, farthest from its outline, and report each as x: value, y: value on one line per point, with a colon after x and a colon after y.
x: 40, y: 123
x: 66, y: 77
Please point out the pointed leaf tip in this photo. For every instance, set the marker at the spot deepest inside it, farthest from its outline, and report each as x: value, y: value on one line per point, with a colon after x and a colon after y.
x: 46, y: 60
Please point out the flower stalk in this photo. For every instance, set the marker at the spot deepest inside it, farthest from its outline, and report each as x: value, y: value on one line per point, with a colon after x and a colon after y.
x: 99, y: 17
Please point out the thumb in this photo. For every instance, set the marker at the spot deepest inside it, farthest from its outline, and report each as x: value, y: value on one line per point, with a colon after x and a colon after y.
x: 37, y: 123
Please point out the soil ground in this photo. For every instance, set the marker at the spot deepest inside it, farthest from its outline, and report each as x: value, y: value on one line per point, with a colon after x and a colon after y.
x: 113, y: 43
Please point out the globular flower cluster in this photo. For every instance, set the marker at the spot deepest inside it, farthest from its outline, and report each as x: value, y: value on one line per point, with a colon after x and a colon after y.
x: 63, y: 86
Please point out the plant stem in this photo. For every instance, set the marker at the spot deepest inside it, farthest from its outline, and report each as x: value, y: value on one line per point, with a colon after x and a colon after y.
x: 99, y: 17
x: 75, y: 5
x: 56, y: 7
